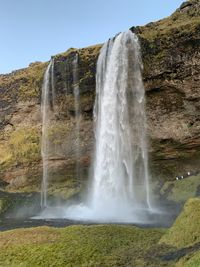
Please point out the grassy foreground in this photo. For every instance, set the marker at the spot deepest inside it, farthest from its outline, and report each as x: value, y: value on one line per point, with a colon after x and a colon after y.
x: 103, y: 245
x: 106, y: 245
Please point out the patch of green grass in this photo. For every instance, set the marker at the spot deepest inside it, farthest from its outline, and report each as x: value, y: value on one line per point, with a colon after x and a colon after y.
x: 192, y: 260
x: 5, y: 155
x: 182, y: 189
x: 186, y: 229
x: 76, y: 246
x: 22, y: 147
x: 65, y: 189
x: 66, y: 53
x: 25, y: 82
x: 177, y: 23
x: 58, y: 131
x: 28, y: 236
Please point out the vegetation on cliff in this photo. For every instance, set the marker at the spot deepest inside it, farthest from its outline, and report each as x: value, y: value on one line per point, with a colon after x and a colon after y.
x: 185, y: 19
x: 23, y: 84
x: 182, y: 189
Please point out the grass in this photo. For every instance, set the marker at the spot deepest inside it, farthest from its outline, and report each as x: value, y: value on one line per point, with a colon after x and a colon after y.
x: 161, y: 38
x: 23, y: 146
x: 85, y: 52
x: 192, y: 260
x: 103, y: 245
x: 64, y: 189
x: 178, y: 23
x: 25, y: 83
x: 186, y: 229
x: 181, y: 190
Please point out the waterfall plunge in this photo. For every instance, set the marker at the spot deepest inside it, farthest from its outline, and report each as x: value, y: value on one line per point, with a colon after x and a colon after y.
x: 121, y: 160
x: 120, y: 186
x: 120, y: 182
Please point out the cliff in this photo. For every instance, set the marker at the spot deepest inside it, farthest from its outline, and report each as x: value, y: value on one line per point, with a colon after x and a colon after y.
x: 171, y: 58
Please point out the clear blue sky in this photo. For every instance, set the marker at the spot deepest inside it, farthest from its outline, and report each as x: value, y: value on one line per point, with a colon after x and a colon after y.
x: 33, y: 30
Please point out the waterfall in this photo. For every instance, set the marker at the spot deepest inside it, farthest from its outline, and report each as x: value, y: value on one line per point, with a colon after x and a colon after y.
x: 53, y: 83
x: 77, y: 113
x: 119, y: 191
x: 121, y: 179
x: 48, y: 99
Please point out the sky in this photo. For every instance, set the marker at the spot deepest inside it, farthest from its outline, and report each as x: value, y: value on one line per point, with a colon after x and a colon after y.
x: 34, y: 30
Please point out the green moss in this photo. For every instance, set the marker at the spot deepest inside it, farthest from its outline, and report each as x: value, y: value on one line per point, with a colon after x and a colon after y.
x: 76, y: 246
x: 158, y: 39
x: 181, y: 190
x: 84, y: 53
x: 28, y: 236
x: 32, y: 86
x: 192, y: 260
x: 5, y: 155
x: 178, y: 23
x: 66, y: 188
x: 22, y: 147
x: 86, y: 102
x: 66, y: 53
x: 58, y: 131
x: 186, y: 229
x: 5, y: 203
x: 25, y: 83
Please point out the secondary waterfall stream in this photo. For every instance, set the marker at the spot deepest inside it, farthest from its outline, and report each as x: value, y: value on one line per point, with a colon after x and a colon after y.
x: 77, y: 113
x: 46, y: 107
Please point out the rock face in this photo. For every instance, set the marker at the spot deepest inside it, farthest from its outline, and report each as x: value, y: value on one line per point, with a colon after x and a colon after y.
x: 171, y: 56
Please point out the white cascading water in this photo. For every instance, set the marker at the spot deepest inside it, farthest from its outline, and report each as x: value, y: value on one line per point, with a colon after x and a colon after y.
x: 120, y: 190
x: 121, y: 179
x: 77, y: 113
x: 48, y: 82
x: 120, y: 186
x: 53, y: 83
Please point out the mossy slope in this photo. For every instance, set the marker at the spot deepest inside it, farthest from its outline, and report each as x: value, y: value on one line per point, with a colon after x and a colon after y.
x: 181, y: 190
x: 105, y: 245
x: 190, y: 261
x: 186, y: 230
